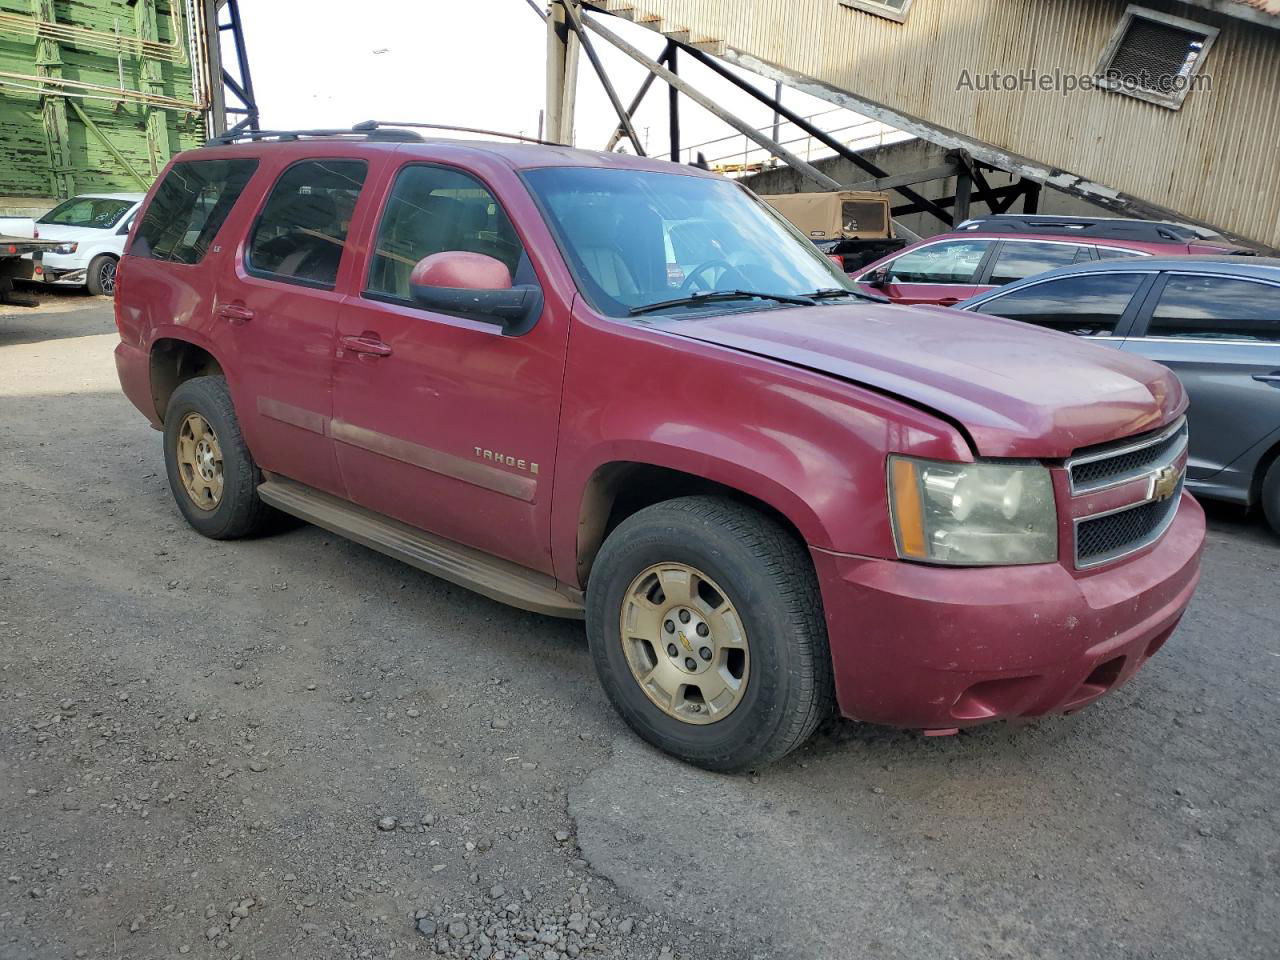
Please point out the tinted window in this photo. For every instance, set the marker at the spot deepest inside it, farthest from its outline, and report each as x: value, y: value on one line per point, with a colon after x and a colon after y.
x: 1018, y: 259
x: 189, y: 207
x: 1088, y: 306
x: 433, y: 210
x: 302, y: 229
x: 1217, y: 307
x: 950, y: 261
x: 1113, y: 253
x: 98, y: 212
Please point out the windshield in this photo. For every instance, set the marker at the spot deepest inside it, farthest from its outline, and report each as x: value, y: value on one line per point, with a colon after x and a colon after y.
x: 634, y: 238
x: 100, y: 212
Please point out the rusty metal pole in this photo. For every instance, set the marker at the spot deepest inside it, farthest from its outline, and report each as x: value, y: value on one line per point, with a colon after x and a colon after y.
x: 562, y: 74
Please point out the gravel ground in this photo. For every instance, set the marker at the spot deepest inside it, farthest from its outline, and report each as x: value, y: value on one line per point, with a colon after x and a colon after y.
x: 294, y: 747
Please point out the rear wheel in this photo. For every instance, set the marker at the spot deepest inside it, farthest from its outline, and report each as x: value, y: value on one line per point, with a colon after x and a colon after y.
x: 100, y: 278
x: 706, y: 629
x: 211, y: 472
x: 1271, y: 495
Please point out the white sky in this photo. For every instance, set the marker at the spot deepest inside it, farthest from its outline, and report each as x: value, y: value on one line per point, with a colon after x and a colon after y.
x: 478, y: 63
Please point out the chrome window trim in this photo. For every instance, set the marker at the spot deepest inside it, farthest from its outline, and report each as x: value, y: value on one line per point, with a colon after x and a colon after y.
x: 1149, y: 470
x: 1130, y: 549
x: 1231, y: 340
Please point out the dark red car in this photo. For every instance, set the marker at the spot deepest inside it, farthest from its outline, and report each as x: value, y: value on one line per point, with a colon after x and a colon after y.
x: 768, y: 496
x: 988, y: 252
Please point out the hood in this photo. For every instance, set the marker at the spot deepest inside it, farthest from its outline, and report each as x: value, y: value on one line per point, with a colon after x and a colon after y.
x: 1015, y: 389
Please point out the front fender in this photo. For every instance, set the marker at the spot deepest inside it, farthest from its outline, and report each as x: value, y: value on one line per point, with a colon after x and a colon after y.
x: 810, y: 446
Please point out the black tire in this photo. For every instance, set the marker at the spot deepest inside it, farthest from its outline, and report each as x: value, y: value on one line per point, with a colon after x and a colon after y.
x: 240, y: 512
x: 100, y: 278
x: 769, y: 578
x: 1271, y: 495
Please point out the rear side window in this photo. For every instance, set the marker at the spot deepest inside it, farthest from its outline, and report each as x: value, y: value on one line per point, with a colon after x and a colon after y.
x: 1115, y: 253
x: 950, y: 261
x: 302, y: 230
x: 433, y: 210
x: 1217, y: 308
x: 189, y: 207
x: 1018, y: 259
x: 1087, y: 306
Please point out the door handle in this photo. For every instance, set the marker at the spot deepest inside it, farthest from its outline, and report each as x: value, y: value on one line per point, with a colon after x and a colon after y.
x: 237, y: 313
x: 1269, y: 378
x: 367, y: 345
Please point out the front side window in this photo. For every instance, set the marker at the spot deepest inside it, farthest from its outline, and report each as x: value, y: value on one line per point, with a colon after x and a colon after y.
x: 634, y: 239
x: 1217, y: 308
x: 1025, y: 258
x: 302, y: 230
x: 189, y: 208
x: 434, y: 210
x: 949, y: 261
x: 1087, y: 306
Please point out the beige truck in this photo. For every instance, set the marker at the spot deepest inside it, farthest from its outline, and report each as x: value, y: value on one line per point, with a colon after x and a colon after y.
x: 856, y: 226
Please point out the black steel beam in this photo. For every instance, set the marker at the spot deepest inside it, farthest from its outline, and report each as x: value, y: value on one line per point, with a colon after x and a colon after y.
x: 624, y: 118
x: 673, y: 103
x: 906, y: 209
x: 645, y: 84
x: 816, y: 132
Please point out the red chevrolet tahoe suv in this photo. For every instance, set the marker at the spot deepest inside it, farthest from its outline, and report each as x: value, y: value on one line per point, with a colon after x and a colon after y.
x: 513, y: 367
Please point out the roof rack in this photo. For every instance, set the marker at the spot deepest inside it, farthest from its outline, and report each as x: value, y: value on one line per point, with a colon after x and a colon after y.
x: 1098, y: 227
x: 358, y: 132
x: 392, y: 124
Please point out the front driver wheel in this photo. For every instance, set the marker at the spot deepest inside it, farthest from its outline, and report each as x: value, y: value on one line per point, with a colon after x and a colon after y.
x: 1271, y: 495
x: 100, y: 278
x: 706, y: 628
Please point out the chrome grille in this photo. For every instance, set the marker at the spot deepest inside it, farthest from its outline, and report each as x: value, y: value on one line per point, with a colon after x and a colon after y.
x: 1113, y: 535
x: 1103, y: 537
x: 1120, y: 463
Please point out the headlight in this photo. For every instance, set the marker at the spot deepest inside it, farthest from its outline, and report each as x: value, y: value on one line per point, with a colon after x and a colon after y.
x: 66, y: 248
x: 972, y: 513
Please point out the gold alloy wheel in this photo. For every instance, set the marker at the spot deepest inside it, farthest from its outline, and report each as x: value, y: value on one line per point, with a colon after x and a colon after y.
x: 200, y: 462
x: 685, y: 643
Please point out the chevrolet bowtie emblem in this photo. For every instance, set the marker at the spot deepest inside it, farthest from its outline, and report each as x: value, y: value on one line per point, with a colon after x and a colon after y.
x: 1164, y: 484
x: 685, y: 640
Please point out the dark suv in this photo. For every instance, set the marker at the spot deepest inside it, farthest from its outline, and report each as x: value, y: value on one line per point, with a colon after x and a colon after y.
x: 769, y: 496
x: 987, y: 252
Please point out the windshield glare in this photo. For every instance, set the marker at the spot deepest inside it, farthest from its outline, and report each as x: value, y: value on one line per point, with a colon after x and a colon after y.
x: 634, y: 238
x: 100, y: 212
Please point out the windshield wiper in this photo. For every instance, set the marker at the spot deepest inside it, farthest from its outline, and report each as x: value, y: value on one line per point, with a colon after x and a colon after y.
x: 830, y: 293
x: 717, y: 296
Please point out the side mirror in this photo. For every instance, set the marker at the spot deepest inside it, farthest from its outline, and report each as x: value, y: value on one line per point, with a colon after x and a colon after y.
x: 879, y: 279
x: 476, y: 286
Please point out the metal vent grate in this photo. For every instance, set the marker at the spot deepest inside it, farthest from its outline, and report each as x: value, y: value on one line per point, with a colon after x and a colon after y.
x: 1155, y: 56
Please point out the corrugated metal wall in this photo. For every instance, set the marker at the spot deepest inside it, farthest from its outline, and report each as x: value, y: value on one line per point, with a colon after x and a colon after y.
x: 1213, y: 160
x: 26, y: 168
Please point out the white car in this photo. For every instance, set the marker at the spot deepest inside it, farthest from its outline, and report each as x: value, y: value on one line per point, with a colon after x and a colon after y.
x: 91, y: 230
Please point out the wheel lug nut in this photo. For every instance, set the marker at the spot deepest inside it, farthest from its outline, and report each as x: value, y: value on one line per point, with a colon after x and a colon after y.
x: 705, y: 654
x: 684, y: 616
x: 671, y: 650
x: 670, y: 627
x: 703, y: 630
x: 691, y: 663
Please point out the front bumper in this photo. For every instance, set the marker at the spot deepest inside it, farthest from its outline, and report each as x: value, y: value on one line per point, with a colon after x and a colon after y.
x: 937, y: 648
